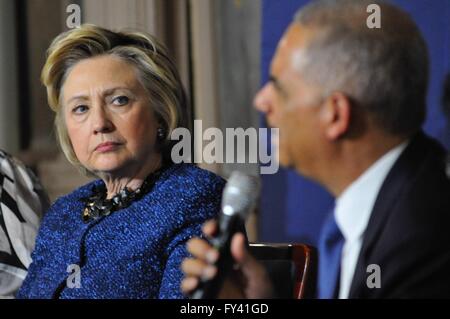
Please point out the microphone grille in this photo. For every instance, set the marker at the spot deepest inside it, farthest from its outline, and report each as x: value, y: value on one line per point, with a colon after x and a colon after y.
x: 240, y: 194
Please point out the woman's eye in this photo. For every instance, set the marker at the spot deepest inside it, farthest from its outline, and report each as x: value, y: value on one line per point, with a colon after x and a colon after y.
x: 80, y: 109
x: 120, y: 100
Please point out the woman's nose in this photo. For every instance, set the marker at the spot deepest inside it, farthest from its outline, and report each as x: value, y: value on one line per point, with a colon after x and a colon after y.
x: 101, y: 121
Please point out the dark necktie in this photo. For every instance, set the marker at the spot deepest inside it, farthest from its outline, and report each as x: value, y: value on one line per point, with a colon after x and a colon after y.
x: 330, y: 249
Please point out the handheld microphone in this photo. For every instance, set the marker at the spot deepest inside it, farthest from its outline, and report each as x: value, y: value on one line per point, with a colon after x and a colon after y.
x: 238, y: 200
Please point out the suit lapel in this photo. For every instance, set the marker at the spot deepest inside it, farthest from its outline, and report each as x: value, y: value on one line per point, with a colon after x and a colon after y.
x: 398, y: 179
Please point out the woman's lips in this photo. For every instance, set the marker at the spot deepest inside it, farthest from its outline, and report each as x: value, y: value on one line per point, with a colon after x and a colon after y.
x: 107, y: 147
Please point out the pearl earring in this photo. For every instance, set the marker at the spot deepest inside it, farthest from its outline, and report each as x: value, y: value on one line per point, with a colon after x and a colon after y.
x: 160, y: 133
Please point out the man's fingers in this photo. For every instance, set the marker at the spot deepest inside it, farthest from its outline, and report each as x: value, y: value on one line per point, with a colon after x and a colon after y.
x: 188, y: 284
x: 210, y: 228
x: 193, y: 267
x: 202, y: 250
x: 198, y: 268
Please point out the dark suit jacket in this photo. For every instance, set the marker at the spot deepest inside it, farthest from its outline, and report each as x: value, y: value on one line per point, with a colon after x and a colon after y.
x: 408, y: 234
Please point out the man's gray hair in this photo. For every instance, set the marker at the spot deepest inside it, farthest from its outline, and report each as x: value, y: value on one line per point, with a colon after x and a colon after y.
x: 383, y: 70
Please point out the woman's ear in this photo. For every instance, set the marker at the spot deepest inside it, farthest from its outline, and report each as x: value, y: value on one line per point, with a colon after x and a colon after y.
x: 337, y: 115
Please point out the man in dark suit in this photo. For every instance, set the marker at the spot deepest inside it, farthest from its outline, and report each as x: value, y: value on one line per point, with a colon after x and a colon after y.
x: 348, y: 94
x: 445, y: 132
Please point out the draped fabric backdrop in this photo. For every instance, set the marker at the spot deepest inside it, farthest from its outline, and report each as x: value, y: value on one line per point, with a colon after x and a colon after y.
x: 293, y: 208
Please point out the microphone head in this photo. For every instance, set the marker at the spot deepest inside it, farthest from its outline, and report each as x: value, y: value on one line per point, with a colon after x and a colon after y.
x: 240, y: 194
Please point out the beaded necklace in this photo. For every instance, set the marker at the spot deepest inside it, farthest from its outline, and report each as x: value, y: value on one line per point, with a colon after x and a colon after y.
x: 97, y: 205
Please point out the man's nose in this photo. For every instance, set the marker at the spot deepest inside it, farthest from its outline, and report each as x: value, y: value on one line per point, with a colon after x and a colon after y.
x: 261, y: 102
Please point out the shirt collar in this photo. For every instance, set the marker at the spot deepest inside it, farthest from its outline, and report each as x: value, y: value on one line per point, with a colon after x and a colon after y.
x: 354, y: 206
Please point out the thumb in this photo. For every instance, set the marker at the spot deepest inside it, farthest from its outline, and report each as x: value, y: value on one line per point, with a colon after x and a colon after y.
x: 241, y: 255
x: 258, y: 284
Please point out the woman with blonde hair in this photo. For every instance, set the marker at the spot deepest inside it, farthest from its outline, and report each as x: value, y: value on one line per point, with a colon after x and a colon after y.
x: 117, y: 97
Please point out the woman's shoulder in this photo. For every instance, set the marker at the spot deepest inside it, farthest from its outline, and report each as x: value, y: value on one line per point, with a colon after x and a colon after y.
x: 185, y: 195
x: 192, y: 177
x: 186, y: 185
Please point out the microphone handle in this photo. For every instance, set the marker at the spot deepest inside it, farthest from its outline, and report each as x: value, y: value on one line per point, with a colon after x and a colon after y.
x: 210, y: 289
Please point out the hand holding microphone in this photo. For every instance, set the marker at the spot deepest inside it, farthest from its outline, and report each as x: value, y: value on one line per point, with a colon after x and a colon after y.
x: 211, y: 268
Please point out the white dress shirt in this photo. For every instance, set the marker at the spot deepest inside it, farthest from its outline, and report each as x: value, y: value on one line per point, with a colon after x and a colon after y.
x: 353, y: 210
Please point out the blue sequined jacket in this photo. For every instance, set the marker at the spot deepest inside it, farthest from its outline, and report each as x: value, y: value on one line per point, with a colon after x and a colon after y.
x: 135, y: 252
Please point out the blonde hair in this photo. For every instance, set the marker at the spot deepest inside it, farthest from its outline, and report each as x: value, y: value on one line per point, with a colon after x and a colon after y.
x: 156, y: 72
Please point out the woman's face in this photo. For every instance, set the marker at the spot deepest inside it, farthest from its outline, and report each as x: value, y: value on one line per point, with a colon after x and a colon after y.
x: 109, y: 117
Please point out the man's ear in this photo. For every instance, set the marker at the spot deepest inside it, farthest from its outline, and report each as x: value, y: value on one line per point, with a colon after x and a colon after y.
x: 337, y: 116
